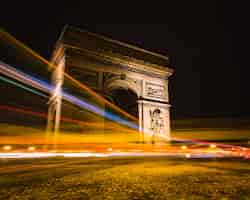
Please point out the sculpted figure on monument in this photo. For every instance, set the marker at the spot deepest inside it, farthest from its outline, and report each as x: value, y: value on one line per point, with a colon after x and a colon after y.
x: 156, y: 121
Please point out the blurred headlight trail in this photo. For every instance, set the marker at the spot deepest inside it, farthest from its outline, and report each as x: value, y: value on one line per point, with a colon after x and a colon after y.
x: 46, y: 87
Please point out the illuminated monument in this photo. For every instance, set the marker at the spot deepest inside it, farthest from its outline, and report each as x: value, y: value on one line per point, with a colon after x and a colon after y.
x: 133, y: 78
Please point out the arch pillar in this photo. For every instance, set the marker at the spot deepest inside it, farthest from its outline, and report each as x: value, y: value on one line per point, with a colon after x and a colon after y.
x: 55, y: 101
x: 140, y: 116
x: 153, y: 107
x: 153, y: 119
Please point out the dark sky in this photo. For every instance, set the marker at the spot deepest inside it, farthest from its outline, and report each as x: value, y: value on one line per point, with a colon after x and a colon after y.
x: 208, y: 44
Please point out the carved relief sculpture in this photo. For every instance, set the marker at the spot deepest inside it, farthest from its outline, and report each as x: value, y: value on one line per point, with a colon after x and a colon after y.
x: 157, y: 122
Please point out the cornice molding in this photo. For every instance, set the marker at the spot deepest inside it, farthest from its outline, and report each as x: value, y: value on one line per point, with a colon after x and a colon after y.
x: 125, y: 63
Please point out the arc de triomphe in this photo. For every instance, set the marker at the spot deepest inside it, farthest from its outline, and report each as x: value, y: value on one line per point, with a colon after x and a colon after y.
x: 113, y: 68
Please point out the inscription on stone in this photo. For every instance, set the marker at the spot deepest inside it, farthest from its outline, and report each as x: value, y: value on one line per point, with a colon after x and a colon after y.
x: 154, y: 90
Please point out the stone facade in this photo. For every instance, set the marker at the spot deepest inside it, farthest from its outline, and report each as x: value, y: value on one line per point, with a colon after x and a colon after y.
x: 105, y: 65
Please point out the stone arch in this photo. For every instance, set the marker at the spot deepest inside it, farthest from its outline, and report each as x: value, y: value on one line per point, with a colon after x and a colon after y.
x: 113, y: 84
x: 105, y: 65
x: 117, y: 90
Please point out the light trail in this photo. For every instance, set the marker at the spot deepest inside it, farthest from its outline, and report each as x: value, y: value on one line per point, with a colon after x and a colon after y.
x: 232, y: 149
x: 41, y: 85
x: 112, y: 154
x: 195, y: 141
x: 22, y: 77
x: 46, y: 87
x: 22, y: 86
x: 64, y: 119
x: 8, y: 37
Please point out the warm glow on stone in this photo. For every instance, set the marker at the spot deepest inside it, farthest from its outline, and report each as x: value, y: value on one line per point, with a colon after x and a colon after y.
x: 31, y: 148
x: 7, y: 147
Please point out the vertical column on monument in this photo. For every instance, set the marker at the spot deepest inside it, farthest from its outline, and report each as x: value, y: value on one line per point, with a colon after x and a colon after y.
x: 140, y: 116
x: 55, y: 101
x: 154, y: 118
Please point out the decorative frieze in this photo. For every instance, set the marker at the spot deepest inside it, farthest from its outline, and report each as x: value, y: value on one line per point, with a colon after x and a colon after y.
x: 117, y: 64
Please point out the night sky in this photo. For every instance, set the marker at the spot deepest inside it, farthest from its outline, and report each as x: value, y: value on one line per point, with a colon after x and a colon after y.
x: 208, y: 44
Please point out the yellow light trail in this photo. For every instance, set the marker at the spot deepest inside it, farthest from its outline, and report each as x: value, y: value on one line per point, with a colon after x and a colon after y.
x: 110, y: 125
x: 9, y: 37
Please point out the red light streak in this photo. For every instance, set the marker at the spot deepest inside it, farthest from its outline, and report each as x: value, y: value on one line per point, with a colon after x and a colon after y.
x: 44, y: 115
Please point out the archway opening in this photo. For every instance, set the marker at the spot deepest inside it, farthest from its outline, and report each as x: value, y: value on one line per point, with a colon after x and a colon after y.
x: 126, y: 99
